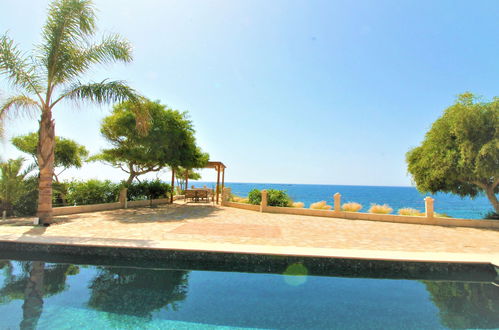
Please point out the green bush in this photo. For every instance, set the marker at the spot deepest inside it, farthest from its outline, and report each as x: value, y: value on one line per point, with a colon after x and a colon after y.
x: 274, y: 197
x: 278, y: 198
x: 148, y: 190
x: 255, y: 197
x: 27, y: 203
x: 92, y: 192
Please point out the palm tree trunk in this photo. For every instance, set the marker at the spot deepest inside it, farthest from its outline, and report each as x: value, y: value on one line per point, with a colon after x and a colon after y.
x: 46, y: 144
x: 33, y: 296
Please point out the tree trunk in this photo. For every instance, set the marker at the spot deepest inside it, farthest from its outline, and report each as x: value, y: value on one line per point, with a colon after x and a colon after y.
x: 489, y: 191
x: 33, y: 296
x: 46, y: 144
x: 130, y: 178
x: 173, y: 185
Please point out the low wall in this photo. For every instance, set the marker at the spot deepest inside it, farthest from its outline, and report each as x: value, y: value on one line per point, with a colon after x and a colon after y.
x: 421, y: 220
x: 242, y: 206
x: 474, y: 223
x: 65, y: 210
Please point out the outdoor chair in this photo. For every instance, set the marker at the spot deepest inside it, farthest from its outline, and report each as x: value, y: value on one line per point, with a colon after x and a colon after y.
x: 190, y: 194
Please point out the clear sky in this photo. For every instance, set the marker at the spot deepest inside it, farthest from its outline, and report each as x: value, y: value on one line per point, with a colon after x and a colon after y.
x: 325, y: 92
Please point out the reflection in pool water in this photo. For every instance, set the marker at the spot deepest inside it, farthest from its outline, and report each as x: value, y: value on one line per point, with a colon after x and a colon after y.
x: 35, y: 294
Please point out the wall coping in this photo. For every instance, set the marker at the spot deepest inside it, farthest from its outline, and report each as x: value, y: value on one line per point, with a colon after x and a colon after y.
x: 422, y: 220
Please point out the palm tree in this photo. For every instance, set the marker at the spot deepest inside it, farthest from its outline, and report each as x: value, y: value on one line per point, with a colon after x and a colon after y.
x: 51, y: 74
x: 11, y: 182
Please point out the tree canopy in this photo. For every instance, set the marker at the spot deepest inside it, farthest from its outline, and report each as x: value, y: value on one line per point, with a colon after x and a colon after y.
x: 180, y: 173
x: 68, y: 153
x: 460, y: 153
x: 169, y: 142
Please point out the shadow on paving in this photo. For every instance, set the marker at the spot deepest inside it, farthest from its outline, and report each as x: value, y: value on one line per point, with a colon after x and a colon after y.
x: 163, y: 213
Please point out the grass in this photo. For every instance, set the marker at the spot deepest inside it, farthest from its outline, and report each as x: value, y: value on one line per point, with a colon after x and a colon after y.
x: 351, y: 207
x: 410, y: 212
x: 380, y: 209
x: 322, y: 205
x: 238, y: 199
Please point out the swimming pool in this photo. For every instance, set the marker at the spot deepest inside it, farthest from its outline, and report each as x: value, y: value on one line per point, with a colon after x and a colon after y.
x: 43, y: 295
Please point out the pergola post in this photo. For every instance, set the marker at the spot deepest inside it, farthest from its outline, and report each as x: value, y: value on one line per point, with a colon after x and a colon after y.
x: 218, y: 181
x: 223, y: 179
x: 173, y: 185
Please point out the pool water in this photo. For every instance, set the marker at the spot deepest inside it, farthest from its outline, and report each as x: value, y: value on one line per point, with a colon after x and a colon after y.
x: 42, y: 295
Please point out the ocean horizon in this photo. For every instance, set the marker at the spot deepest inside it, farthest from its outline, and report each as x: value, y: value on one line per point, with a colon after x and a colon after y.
x: 395, y: 196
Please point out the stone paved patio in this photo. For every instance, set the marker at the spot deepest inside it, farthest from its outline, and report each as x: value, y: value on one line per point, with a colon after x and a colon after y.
x: 222, y: 228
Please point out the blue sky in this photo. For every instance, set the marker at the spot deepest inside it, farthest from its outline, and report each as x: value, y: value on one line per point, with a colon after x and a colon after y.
x: 325, y: 92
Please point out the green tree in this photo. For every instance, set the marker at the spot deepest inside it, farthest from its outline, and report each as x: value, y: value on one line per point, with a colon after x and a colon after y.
x: 137, y: 291
x: 460, y: 153
x: 52, y: 74
x: 169, y: 141
x: 180, y: 174
x: 12, y: 181
x: 68, y: 153
x: 466, y: 305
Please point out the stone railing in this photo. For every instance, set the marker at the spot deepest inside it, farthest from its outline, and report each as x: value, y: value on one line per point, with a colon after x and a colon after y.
x: 428, y: 219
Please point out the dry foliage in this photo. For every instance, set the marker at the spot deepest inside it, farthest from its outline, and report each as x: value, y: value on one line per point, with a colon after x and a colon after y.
x: 442, y: 215
x: 322, y: 205
x: 351, y: 207
x: 381, y: 209
x: 298, y: 205
x: 238, y: 199
x: 411, y: 212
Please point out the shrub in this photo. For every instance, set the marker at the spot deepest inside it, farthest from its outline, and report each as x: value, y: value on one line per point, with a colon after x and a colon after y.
x: 381, y: 209
x: 278, y: 198
x: 351, y: 207
x: 442, y: 215
x: 322, y: 205
x: 27, y: 203
x: 92, y: 192
x: 298, y: 205
x: 148, y: 190
x: 274, y: 197
x: 255, y: 197
x: 410, y: 212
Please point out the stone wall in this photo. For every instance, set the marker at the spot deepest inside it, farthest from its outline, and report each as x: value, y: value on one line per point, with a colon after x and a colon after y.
x: 428, y: 219
x: 122, y: 204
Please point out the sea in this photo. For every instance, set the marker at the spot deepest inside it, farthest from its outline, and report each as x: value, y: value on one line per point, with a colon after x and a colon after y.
x: 395, y: 197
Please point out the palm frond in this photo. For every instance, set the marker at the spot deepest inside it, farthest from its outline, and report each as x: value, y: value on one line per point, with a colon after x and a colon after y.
x: 13, y: 105
x: 112, y: 48
x: 18, y: 102
x: 78, y: 59
x: 20, y: 73
x: 101, y: 92
x: 69, y: 24
x: 109, y: 92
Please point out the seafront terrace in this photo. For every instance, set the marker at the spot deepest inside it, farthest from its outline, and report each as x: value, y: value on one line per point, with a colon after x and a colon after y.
x: 204, y: 227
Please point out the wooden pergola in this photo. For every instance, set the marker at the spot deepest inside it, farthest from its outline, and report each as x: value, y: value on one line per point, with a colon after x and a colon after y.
x: 218, y: 166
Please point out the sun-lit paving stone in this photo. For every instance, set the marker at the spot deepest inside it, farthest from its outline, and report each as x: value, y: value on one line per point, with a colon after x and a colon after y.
x: 198, y: 225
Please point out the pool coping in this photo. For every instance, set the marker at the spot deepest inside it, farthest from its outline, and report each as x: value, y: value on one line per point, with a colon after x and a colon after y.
x: 277, y: 250
x: 264, y: 258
